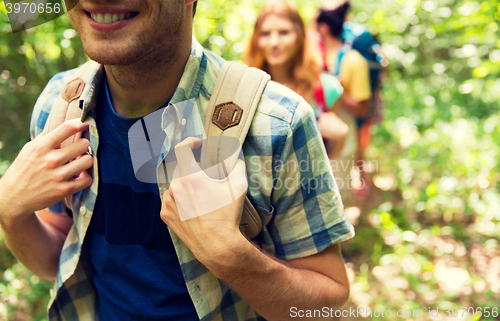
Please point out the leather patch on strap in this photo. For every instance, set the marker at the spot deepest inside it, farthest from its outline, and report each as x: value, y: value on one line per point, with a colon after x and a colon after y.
x: 227, y: 115
x: 73, y: 90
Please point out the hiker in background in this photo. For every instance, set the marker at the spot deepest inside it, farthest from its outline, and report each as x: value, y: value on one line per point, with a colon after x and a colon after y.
x: 280, y: 47
x: 348, y: 50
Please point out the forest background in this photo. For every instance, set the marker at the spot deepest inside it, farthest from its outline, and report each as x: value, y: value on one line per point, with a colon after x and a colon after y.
x: 428, y: 234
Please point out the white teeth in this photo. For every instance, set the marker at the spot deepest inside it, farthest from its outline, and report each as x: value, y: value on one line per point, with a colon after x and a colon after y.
x: 108, y: 17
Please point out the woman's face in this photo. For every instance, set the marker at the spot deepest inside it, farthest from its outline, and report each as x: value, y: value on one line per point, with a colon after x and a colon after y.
x: 278, y: 40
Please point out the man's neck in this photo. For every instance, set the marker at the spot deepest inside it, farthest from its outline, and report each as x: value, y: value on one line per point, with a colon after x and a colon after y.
x: 141, y: 88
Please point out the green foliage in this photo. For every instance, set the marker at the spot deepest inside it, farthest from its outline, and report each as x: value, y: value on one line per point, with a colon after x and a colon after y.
x: 428, y: 235
x: 28, y: 59
x: 437, y: 232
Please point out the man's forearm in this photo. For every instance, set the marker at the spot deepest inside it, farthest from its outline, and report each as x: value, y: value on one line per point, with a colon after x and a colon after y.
x: 35, y: 244
x: 273, y: 287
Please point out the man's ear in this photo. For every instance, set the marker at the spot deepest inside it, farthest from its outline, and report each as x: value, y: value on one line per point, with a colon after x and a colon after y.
x: 192, y: 3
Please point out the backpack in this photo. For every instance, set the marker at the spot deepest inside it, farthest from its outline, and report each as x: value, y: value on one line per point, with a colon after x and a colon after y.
x: 327, y: 91
x: 356, y: 36
x: 232, y: 105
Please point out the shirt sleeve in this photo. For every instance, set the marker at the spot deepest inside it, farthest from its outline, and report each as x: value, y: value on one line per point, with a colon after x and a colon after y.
x: 355, y: 76
x: 308, y: 211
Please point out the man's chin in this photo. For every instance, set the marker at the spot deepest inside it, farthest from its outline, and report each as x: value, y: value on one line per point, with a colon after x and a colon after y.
x: 110, y: 61
x: 109, y: 57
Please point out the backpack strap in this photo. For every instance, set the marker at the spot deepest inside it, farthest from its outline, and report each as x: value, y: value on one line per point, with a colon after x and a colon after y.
x: 67, y: 106
x: 319, y: 97
x: 230, y: 112
x: 346, y: 47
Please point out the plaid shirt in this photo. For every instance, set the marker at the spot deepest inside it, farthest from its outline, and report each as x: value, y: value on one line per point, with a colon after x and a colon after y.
x: 290, y: 184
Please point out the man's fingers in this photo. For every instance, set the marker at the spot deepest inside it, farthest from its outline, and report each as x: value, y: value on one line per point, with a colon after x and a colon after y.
x: 80, y: 164
x: 185, y: 158
x: 83, y: 181
x: 73, y: 150
x: 169, y: 207
x: 64, y: 131
x: 239, y: 170
x: 238, y: 179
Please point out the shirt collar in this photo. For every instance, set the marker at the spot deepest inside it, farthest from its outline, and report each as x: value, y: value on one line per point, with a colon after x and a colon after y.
x: 190, y: 84
x: 181, y: 108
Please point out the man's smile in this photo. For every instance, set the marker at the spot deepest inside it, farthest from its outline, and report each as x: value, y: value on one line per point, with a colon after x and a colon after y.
x: 109, y: 18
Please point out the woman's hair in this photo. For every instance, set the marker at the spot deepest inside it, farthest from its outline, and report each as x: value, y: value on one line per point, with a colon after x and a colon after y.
x: 306, y: 66
x: 334, y: 19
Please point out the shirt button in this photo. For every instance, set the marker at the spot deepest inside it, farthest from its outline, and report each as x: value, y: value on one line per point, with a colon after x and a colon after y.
x: 83, y: 210
x: 183, y: 121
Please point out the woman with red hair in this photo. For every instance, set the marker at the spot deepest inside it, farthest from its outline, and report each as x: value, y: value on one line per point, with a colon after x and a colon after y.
x: 280, y: 47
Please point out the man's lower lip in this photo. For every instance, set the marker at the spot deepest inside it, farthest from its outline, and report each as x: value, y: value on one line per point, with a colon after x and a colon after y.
x: 108, y: 26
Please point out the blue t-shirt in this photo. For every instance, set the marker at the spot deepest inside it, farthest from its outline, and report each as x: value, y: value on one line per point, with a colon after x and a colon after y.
x: 136, y: 271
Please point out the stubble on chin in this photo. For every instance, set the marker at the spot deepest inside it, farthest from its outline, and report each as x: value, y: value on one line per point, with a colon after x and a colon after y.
x: 158, y: 42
